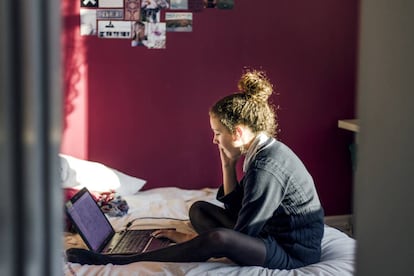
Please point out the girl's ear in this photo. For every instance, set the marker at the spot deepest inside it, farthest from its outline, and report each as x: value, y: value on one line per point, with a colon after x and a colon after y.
x: 238, y: 133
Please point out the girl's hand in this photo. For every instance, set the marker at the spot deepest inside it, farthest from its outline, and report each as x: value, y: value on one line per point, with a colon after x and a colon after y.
x: 228, y: 164
x: 227, y: 161
x: 173, y: 235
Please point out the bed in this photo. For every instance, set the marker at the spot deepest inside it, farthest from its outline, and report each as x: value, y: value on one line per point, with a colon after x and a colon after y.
x: 168, y: 207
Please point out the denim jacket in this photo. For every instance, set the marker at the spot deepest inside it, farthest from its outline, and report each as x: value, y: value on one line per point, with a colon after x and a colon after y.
x: 277, y: 197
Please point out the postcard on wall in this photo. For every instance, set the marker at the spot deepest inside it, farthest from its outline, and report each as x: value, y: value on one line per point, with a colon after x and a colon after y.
x: 225, y: 4
x: 139, y: 36
x: 132, y: 10
x: 89, y: 3
x: 179, y: 21
x: 179, y: 4
x: 87, y: 21
x: 114, y: 29
x: 156, y: 37
x: 155, y: 4
x: 102, y: 14
x: 111, y: 3
x: 150, y: 10
x: 150, y: 15
x: 210, y: 4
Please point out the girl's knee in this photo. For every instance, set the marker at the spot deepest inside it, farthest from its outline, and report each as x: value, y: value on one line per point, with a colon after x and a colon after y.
x: 196, y: 215
x: 196, y: 206
x: 220, y: 236
x: 197, y: 209
x: 194, y: 209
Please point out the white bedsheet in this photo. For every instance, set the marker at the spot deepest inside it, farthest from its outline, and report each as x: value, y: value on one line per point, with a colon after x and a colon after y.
x: 154, y: 208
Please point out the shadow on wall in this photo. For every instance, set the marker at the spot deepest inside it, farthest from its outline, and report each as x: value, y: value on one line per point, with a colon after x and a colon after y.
x: 73, y: 60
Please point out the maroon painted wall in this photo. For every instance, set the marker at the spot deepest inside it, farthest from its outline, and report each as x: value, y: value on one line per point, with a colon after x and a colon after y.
x: 147, y: 110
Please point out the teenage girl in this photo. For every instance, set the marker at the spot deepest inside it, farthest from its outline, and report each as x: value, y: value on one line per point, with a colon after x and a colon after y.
x: 271, y: 218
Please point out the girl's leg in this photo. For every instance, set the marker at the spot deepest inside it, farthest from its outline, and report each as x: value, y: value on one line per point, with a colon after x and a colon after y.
x: 205, y: 216
x: 217, y: 243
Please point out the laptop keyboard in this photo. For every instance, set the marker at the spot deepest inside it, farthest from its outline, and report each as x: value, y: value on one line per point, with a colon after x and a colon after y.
x: 133, y: 242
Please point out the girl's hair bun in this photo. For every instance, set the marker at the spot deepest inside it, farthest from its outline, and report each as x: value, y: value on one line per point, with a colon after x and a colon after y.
x: 256, y: 85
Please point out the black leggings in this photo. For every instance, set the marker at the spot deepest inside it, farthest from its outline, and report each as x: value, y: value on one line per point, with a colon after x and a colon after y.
x: 215, y: 240
x: 205, y: 216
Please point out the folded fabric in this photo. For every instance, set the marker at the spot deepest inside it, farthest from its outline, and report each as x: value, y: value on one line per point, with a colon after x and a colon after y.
x: 112, y: 204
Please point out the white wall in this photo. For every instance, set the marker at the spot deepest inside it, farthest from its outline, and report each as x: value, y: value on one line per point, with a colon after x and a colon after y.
x: 384, y: 192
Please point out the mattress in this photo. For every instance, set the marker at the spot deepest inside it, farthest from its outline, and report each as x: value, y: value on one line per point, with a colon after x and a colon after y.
x: 168, y: 207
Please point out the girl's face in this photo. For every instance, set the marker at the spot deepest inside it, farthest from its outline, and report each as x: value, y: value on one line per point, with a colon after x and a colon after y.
x: 223, y: 138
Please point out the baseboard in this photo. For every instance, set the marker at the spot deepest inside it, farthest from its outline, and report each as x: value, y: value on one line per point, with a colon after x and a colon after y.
x: 341, y: 222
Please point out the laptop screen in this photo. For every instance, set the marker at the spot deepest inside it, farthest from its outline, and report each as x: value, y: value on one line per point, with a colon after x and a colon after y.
x: 89, y: 220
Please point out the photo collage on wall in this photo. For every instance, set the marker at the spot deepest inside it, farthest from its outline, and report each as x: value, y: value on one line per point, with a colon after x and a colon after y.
x: 142, y: 22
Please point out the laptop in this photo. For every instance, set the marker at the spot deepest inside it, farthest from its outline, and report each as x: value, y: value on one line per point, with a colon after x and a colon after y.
x: 99, y: 235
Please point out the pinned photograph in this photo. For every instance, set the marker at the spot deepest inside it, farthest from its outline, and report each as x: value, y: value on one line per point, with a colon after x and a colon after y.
x: 210, y: 4
x: 111, y: 3
x: 138, y: 34
x: 150, y: 10
x: 114, y: 29
x: 225, y: 4
x: 179, y: 4
x: 115, y: 14
x: 156, y: 35
x: 219, y: 4
x: 179, y: 21
x: 89, y: 3
x: 87, y: 21
x: 132, y: 10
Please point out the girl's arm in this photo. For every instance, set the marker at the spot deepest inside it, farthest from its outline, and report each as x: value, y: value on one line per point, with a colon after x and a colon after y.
x: 229, y: 172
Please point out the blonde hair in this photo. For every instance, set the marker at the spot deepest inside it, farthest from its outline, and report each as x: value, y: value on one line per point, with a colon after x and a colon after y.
x: 249, y: 106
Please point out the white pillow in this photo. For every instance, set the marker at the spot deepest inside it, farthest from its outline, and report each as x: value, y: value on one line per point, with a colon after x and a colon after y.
x: 78, y: 173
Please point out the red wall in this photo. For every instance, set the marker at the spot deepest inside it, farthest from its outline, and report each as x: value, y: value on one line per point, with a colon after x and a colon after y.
x: 145, y: 112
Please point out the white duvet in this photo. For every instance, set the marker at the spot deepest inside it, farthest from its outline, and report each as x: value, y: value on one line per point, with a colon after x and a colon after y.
x: 168, y: 207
